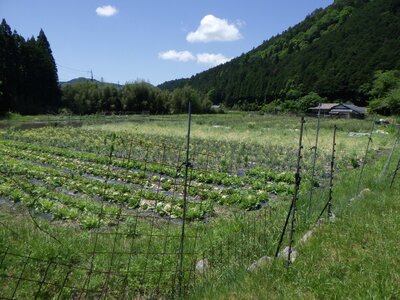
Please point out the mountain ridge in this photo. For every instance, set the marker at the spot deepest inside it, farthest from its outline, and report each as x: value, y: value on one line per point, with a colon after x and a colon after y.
x: 80, y: 80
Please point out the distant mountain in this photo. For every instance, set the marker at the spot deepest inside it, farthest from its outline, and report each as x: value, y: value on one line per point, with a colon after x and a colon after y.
x: 335, y: 52
x: 83, y: 79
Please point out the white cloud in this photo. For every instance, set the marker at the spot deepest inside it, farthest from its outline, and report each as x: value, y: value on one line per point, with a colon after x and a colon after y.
x: 212, y: 59
x: 183, y: 56
x: 201, y: 58
x: 214, y: 29
x: 106, y: 11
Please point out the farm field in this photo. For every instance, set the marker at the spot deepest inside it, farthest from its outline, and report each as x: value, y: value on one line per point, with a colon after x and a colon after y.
x: 99, y: 210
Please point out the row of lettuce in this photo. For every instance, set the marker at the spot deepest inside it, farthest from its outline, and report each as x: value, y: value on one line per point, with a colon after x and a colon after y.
x: 94, y: 189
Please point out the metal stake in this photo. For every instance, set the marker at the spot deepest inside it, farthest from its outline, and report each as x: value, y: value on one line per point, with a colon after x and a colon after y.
x: 387, y: 164
x: 332, y: 171
x: 187, y: 164
x: 395, y: 173
x: 314, y: 161
x: 328, y: 204
x: 365, y: 156
x: 292, y: 208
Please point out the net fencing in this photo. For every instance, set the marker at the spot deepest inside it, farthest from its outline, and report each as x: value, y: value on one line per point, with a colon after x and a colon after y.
x: 130, y: 217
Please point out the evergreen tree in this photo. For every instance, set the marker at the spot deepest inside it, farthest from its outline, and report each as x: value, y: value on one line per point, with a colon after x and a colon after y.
x: 49, y: 77
x: 9, y: 68
x: 28, y: 74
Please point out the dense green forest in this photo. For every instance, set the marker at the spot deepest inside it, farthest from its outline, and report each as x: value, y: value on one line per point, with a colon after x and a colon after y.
x: 92, y: 97
x: 349, y: 51
x: 335, y: 53
x: 28, y: 73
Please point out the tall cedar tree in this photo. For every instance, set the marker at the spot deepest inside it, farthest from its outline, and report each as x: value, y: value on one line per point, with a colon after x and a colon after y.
x: 28, y: 74
x: 9, y: 68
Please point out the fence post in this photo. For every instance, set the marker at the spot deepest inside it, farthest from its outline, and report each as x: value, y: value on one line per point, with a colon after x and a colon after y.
x: 395, y: 173
x: 387, y: 164
x: 315, y: 148
x: 365, y: 156
x: 328, y: 204
x: 296, y: 191
x: 332, y: 171
x: 187, y: 164
x: 292, y: 208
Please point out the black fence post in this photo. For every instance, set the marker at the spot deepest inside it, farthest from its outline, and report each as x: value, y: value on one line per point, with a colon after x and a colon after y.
x: 388, y: 161
x: 395, y: 173
x: 328, y: 204
x: 332, y: 171
x: 292, y: 209
x: 296, y: 192
x: 365, y: 156
x: 315, y: 148
x: 187, y: 164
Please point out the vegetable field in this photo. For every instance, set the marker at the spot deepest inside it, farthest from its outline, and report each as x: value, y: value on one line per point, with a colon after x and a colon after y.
x: 115, y: 211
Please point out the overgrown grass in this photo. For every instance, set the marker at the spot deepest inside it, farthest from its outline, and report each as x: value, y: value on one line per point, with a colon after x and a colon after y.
x: 355, y: 257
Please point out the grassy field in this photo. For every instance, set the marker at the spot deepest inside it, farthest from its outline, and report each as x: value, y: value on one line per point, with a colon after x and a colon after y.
x: 97, y: 210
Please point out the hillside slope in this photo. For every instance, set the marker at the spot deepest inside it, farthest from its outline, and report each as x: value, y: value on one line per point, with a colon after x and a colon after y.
x: 334, y: 52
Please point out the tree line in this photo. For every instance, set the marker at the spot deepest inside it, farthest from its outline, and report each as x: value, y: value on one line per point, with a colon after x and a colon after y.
x: 93, y: 97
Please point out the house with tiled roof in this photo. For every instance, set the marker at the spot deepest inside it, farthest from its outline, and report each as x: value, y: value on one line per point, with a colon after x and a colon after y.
x: 340, y: 110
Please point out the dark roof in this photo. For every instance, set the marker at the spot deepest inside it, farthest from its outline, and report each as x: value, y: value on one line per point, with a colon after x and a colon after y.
x: 331, y: 106
x: 360, y: 110
x: 325, y: 106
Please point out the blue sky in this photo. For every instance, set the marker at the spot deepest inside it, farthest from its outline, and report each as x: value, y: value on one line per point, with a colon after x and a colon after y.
x: 153, y: 40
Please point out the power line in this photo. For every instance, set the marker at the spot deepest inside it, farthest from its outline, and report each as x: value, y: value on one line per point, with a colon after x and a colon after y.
x: 74, y: 69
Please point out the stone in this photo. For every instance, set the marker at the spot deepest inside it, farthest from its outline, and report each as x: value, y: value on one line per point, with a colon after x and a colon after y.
x: 332, y: 218
x: 285, y: 253
x: 259, y: 263
x: 202, y: 266
x: 365, y: 191
x: 306, y: 237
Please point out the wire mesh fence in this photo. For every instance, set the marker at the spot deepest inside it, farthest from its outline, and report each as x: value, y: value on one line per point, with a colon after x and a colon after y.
x: 127, y: 217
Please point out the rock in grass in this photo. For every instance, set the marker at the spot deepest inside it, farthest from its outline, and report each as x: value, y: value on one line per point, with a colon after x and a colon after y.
x: 365, y: 191
x: 202, y: 266
x: 259, y: 263
x: 285, y: 253
x: 306, y: 237
x: 332, y: 218
x: 361, y: 194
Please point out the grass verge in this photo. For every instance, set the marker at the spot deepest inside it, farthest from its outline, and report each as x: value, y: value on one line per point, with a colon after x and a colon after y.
x: 355, y: 257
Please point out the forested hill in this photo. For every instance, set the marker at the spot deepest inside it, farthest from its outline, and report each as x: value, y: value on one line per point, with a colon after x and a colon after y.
x: 80, y: 80
x: 334, y: 52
